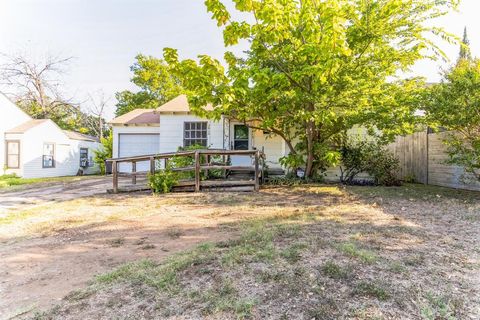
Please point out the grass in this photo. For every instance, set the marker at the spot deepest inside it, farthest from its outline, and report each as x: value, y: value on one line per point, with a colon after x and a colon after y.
x: 335, y: 271
x: 10, y: 182
x: 372, y: 289
x: 438, y: 307
x: 351, y: 249
x: 304, y: 252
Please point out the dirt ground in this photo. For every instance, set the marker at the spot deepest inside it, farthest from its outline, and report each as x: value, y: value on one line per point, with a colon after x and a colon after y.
x: 48, y: 251
x: 26, y: 196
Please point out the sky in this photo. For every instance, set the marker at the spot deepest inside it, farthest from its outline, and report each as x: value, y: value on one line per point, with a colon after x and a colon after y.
x: 104, y: 36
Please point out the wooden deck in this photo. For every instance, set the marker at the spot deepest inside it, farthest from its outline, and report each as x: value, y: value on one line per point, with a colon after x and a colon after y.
x: 134, y: 180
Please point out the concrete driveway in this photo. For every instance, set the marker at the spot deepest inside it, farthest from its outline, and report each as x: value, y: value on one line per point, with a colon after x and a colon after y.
x: 48, y: 193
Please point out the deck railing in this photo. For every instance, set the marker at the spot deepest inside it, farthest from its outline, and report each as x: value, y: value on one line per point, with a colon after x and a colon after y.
x: 160, y: 162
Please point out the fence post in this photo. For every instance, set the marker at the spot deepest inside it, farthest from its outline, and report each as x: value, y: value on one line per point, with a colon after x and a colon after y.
x: 152, y: 165
x: 134, y: 171
x: 257, y: 171
x: 197, y: 171
x: 115, y: 176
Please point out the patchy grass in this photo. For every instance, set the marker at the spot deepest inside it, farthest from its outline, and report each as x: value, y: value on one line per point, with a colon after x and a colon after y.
x: 310, y: 251
x: 11, y: 182
x: 351, y: 249
x: 372, y: 289
x: 335, y: 271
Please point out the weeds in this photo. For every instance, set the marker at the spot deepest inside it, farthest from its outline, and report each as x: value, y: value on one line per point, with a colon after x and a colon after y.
x: 372, y: 289
x: 335, y: 271
x: 352, y: 250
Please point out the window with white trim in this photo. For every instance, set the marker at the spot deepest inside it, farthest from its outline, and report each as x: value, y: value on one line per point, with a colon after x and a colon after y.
x: 195, y: 133
x: 13, y: 154
x: 48, y: 159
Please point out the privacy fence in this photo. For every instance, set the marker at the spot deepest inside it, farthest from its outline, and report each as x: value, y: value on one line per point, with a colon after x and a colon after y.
x: 423, y: 158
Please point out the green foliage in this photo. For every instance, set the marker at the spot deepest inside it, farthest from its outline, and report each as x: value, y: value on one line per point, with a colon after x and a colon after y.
x: 105, y: 152
x: 370, y: 157
x: 163, y: 181
x: 66, y: 115
x: 465, y: 52
x: 454, y: 105
x: 315, y: 69
x: 156, y: 83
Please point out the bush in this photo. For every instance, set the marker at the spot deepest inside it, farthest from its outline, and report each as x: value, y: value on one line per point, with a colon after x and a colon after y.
x: 104, y: 152
x: 369, y: 157
x: 163, y: 181
x: 189, y: 161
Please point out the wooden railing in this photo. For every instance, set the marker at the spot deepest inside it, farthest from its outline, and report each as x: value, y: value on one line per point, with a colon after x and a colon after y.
x: 197, y: 167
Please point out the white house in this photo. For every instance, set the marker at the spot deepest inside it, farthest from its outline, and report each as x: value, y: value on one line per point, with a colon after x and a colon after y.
x: 34, y: 148
x: 173, y: 125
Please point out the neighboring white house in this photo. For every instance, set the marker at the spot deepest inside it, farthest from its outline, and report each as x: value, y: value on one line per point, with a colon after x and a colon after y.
x: 173, y: 125
x: 34, y: 148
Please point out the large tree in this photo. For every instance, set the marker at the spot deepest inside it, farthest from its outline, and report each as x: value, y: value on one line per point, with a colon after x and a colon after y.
x: 156, y: 84
x: 36, y: 85
x: 454, y: 105
x: 315, y: 68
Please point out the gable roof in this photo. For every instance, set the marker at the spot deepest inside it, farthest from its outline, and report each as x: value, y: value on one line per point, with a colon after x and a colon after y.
x: 5, y: 100
x: 80, y: 136
x: 24, y: 127
x: 179, y: 105
x: 138, y: 117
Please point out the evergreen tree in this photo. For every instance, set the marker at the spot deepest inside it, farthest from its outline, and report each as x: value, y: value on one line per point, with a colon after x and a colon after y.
x: 465, y: 47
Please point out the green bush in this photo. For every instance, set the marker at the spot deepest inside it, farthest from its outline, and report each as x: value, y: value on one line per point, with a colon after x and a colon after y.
x: 104, y: 152
x: 369, y: 157
x: 189, y: 161
x: 163, y: 181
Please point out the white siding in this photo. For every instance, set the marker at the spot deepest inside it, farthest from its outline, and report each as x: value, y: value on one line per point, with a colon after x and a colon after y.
x: 10, y: 117
x: 67, y: 152
x: 171, y: 132
x: 272, y: 145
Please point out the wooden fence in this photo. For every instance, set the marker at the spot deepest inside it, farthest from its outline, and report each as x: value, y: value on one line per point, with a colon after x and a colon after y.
x: 423, y: 159
x: 203, y: 162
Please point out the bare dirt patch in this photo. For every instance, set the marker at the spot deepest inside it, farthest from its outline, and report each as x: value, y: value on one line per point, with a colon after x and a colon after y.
x: 305, y: 252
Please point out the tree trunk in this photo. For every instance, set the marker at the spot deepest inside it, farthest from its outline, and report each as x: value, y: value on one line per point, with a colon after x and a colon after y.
x: 309, y: 166
x: 100, y: 127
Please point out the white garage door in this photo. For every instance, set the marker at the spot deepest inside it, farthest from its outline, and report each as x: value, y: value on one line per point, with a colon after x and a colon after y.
x: 137, y: 145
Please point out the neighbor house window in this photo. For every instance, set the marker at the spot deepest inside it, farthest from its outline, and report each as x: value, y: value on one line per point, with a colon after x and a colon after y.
x: 13, y: 154
x: 84, y: 157
x: 48, y: 159
x: 195, y: 133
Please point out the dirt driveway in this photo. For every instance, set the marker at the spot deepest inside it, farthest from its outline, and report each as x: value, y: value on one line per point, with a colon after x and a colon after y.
x: 48, y: 193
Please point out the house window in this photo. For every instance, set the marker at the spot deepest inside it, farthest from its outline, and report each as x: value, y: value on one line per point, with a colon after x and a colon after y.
x: 13, y: 154
x: 84, y: 161
x: 195, y: 133
x: 240, y: 137
x: 48, y: 159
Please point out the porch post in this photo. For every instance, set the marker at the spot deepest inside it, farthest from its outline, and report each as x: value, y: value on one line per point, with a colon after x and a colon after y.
x: 197, y: 171
x: 257, y: 171
x: 115, y: 176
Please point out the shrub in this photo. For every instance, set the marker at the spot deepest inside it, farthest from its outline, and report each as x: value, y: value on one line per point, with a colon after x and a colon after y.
x: 104, y: 152
x: 162, y: 181
x: 189, y: 161
x: 370, y: 157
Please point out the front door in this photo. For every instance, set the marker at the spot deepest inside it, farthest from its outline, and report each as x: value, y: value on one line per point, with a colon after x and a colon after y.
x: 240, y: 141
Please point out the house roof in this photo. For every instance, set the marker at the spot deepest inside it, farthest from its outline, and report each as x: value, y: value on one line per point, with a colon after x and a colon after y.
x: 178, y: 105
x: 24, y: 127
x: 137, y: 117
x: 80, y: 136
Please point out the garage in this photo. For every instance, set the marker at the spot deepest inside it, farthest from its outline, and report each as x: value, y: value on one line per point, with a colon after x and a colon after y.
x: 133, y: 144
